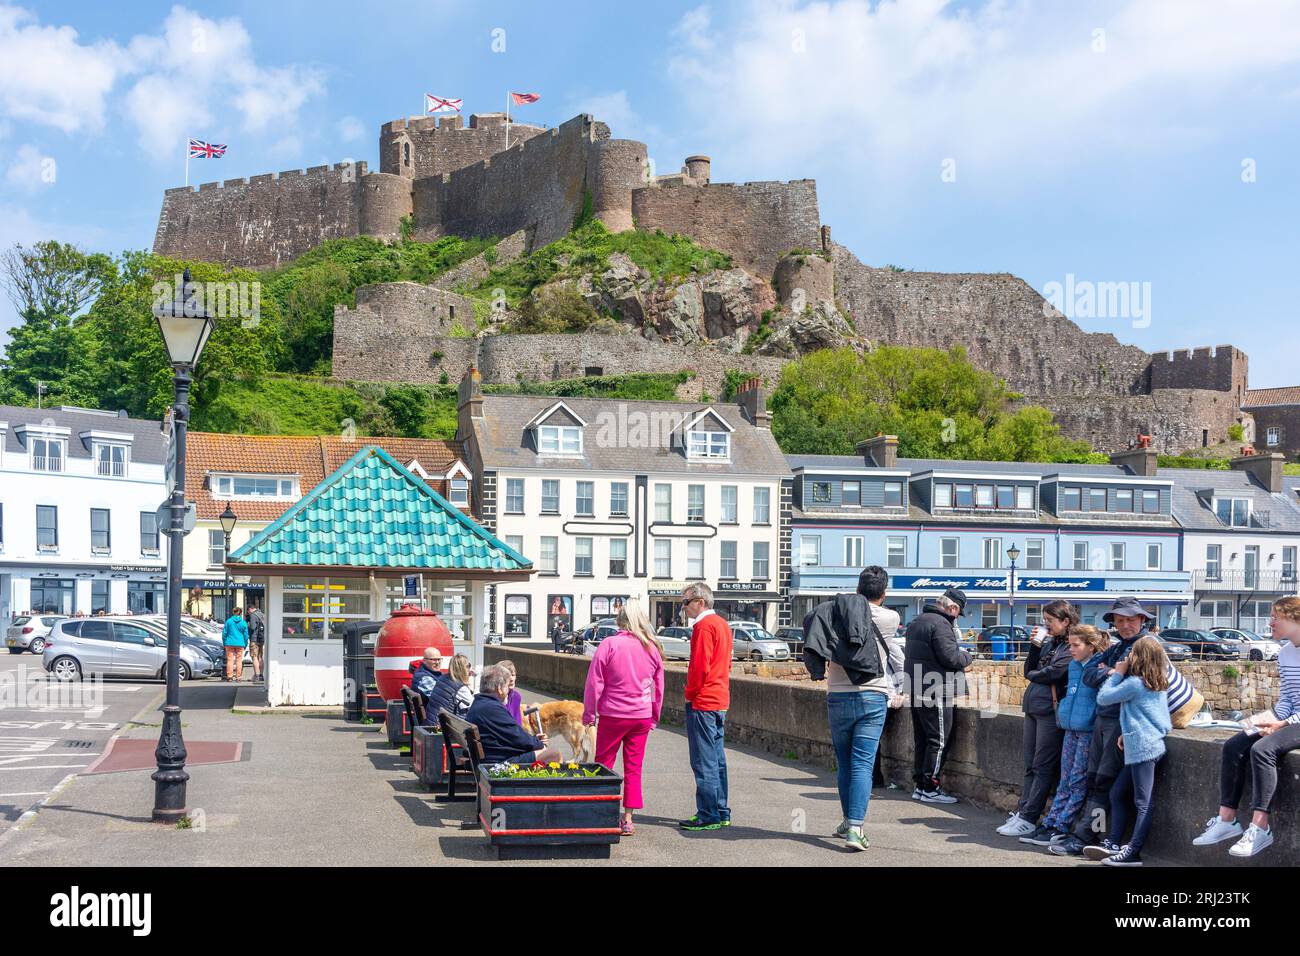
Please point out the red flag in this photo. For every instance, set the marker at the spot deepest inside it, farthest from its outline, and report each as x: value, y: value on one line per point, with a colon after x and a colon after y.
x: 523, y: 98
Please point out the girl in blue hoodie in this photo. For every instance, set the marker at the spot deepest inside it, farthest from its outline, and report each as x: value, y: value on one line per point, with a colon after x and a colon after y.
x: 1140, y: 686
x: 1075, y: 714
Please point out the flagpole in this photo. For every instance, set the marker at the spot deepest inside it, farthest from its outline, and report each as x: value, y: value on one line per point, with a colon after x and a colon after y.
x: 187, y: 162
x: 507, y: 119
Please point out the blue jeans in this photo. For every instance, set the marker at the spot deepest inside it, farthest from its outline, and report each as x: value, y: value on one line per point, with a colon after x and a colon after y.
x: 857, y: 719
x: 705, y: 733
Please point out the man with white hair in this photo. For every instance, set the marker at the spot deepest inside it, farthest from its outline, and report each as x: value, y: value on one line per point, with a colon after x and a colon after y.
x: 504, y: 741
x: 934, y: 664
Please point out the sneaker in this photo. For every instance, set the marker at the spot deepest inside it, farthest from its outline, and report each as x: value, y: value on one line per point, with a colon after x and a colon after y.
x: 1126, y: 856
x: 854, y: 840
x: 1070, y: 846
x: 1253, y: 841
x: 695, y: 823
x: 842, y: 830
x: 1100, y: 851
x: 626, y: 828
x: 1044, y: 836
x: 1216, y: 831
x: 933, y: 796
x: 1017, y: 826
x: 726, y: 821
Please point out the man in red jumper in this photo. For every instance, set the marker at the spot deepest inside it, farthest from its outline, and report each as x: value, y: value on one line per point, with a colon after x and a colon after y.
x: 708, y: 694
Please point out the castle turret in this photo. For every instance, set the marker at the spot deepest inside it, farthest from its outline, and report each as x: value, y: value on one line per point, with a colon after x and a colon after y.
x: 698, y: 168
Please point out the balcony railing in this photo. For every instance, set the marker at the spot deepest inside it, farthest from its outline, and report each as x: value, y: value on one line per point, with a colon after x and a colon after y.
x: 47, y: 463
x: 1269, y: 582
x: 111, y: 469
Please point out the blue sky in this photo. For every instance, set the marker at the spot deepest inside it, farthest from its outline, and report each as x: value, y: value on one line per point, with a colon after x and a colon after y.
x: 1153, y: 142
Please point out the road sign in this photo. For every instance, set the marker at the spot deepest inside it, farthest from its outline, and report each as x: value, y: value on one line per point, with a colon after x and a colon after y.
x: 411, y: 585
x: 169, y: 470
x: 164, y: 517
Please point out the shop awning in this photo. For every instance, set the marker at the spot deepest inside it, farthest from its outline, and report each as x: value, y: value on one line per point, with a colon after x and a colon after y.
x: 372, y: 514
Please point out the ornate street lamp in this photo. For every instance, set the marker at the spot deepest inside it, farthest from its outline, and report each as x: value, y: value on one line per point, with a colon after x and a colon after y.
x: 1014, y: 554
x: 185, y: 327
x: 228, y: 520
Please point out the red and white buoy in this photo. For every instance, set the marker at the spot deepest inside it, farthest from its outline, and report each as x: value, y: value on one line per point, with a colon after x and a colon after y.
x: 401, y: 642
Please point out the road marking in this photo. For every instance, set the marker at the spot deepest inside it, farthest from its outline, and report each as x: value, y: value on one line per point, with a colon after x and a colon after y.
x: 25, y: 793
x: 27, y: 744
x: 52, y: 766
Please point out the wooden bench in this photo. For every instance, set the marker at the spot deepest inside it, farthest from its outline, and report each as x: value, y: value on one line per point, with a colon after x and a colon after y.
x: 414, y: 711
x: 464, y: 753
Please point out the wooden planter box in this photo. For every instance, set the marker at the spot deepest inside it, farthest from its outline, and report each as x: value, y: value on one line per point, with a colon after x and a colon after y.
x: 551, y: 817
x: 397, y: 724
x: 429, y: 757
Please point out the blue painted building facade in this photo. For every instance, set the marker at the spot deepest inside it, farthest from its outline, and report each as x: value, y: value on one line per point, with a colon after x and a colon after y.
x: 1085, y: 533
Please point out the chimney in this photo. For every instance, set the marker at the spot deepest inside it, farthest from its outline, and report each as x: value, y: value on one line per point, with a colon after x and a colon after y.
x: 1266, y: 469
x: 881, y: 451
x: 469, y: 403
x: 1140, y: 458
x: 753, y: 402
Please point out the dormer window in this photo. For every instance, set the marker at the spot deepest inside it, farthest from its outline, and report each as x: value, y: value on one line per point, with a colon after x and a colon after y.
x: 459, y: 493
x: 702, y: 444
x: 559, y: 439
x: 110, y: 460
x: 254, y: 486
x: 1233, y: 512
x: 48, y: 454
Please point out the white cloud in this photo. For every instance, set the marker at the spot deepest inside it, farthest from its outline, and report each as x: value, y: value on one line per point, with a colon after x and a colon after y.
x: 904, y: 84
x: 31, y: 170
x: 196, y: 77
x: 48, y: 76
x: 351, y: 129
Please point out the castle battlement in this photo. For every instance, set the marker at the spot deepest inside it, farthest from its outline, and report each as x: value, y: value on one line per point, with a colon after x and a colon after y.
x: 358, y: 169
x: 1221, y: 368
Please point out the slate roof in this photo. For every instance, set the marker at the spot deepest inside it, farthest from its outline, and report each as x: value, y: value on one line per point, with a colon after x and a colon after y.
x: 503, y: 441
x: 918, y: 465
x: 1259, y: 397
x: 1195, y: 515
x: 148, y: 444
x: 373, y: 513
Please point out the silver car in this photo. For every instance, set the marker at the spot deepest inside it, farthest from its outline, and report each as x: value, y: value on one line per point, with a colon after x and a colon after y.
x: 1253, y: 647
x: 113, y: 647
x: 676, y: 642
x: 30, y: 633
x: 755, y: 643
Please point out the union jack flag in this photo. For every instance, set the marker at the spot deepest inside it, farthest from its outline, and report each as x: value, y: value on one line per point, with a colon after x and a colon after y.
x: 437, y: 104
x: 202, y: 150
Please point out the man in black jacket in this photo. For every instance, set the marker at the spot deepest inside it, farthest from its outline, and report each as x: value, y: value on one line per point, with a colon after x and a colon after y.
x: 934, y: 664
x: 1105, y: 760
x: 504, y: 741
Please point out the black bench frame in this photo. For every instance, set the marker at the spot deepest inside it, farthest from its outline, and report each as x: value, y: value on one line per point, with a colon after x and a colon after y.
x: 464, y: 750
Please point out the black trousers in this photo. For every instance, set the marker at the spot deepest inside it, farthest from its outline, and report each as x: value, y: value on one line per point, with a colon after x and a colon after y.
x: 1105, y: 761
x: 1042, y: 764
x: 931, y: 738
x: 1263, y: 753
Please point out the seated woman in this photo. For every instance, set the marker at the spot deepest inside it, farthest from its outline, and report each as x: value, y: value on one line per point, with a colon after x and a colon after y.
x: 1264, y: 745
x: 504, y: 741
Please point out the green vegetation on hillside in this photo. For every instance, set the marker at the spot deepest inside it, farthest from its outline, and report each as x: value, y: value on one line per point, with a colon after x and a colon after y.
x: 936, y: 402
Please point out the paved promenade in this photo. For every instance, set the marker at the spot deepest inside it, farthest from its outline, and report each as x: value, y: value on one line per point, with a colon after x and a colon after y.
x: 316, y: 790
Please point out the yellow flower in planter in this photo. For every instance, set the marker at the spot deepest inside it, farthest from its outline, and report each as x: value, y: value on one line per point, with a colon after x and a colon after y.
x: 572, y: 765
x: 554, y: 765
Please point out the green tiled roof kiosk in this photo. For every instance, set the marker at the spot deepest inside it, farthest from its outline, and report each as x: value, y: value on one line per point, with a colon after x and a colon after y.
x: 341, y: 554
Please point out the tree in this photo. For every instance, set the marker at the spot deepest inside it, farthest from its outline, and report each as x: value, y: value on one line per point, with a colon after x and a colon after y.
x: 408, y: 408
x: 936, y: 402
x: 53, y: 278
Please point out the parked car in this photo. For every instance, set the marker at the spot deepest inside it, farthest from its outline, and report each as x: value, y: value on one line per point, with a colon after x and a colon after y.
x: 1253, y: 646
x: 193, y: 636
x: 1173, y: 650
x: 1012, y: 640
x: 594, y: 633
x: 1203, y: 644
x: 753, y: 642
x: 115, y: 647
x: 793, y: 637
x: 30, y: 633
x: 676, y: 642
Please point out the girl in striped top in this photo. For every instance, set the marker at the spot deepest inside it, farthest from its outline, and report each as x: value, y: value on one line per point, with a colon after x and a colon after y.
x: 1263, y: 746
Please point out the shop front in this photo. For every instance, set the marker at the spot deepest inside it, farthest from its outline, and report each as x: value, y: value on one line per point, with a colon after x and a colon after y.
x: 734, y: 600
x: 214, y: 597
x: 82, y: 589
x: 990, y: 600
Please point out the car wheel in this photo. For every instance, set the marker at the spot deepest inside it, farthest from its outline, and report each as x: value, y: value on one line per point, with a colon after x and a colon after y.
x: 1256, y: 655
x: 37, y: 645
x: 66, y: 668
x: 185, y: 672
x: 756, y: 656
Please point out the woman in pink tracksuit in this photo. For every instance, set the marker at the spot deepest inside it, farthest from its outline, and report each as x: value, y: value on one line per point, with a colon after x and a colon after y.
x: 624, y: 694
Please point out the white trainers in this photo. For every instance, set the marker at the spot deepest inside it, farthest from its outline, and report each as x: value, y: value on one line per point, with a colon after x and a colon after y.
x: 1017, y: 826
x: 1253, y: 841
x: 1216, y: 831
x: 933, y: 796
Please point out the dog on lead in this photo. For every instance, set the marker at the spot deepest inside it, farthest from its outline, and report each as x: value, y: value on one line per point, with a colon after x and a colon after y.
x: 563, y: 718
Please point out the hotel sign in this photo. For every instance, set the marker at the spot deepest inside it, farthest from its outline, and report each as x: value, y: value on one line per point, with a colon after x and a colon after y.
x: 1031, y: 583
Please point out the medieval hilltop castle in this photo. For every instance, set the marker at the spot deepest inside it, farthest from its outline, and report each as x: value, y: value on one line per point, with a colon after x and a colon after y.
x: 440, y: 178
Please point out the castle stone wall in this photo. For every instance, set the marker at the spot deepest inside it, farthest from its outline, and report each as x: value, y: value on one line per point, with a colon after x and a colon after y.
x: 263, y: 221
x: 757, y: 223
x: 1177, y: 420
x: 1223, y: 368
x: 441, y: 147
x: 385, y: 201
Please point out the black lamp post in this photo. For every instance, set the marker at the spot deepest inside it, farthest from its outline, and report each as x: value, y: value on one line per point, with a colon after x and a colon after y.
x: 228, y: 519
x: 185, y: 327
x: 1014, y: 554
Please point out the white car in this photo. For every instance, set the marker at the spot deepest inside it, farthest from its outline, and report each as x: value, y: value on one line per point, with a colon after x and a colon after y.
x: 753, y: 642
x: 1253, y: 647
x: 31, y: 633
x: 676, y: 642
